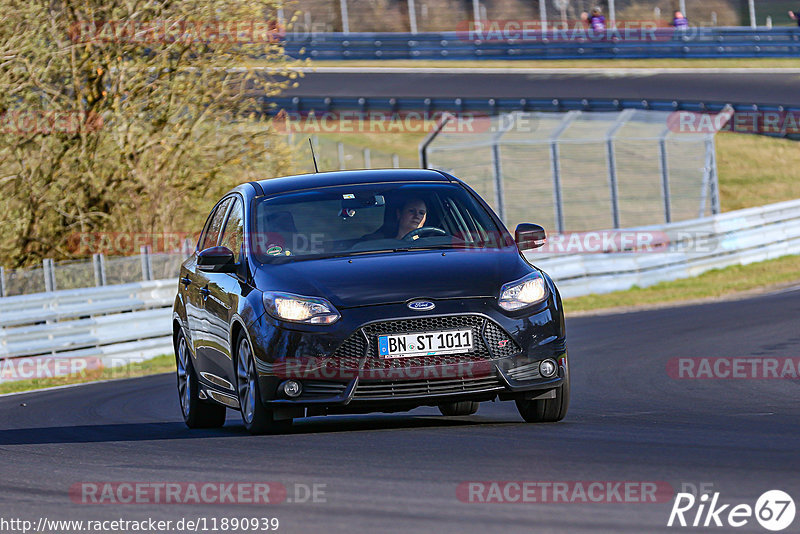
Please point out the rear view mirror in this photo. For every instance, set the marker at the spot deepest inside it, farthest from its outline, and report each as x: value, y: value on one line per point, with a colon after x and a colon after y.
x: 216, y: 260
x: 529, y: 236
x: 351, y: 202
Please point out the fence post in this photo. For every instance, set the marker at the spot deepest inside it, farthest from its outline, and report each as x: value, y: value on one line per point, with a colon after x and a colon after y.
x: 49, y: 275
x: 712, y: 179
x: 2, y: 282
x: 612, y: 164
x: 612, y: 182
x: 340, y: 151
x: 715, y: 206
x: 497, y: 170
x: 497, y: 166
x: 99, y: 261
x: 423, y: 146
x: 662, y: 146
x: 147, y: 268
x: 412, y: 17
x: 556, y: 168
x: 345, y: 17
x: 367, y: 159
x: 395, y: 161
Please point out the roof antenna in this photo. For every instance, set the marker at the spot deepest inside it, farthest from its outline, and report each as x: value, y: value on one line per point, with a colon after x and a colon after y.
x: 313, y: 157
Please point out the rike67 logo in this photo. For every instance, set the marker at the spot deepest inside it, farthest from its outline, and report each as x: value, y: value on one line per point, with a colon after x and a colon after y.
x: 774, y: 510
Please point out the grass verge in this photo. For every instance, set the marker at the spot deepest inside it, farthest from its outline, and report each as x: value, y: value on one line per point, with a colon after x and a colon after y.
x: 715, y: 283
x: 159, y: 364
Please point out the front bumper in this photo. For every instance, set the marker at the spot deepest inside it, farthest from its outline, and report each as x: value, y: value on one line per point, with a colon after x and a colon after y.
x: 340, y: 371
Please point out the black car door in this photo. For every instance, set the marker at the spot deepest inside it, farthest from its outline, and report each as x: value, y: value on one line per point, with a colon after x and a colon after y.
x: 195, y: 286
x: 221, y: 304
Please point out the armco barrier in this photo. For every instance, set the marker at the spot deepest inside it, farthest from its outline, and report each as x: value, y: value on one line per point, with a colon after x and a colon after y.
x: 691, y: 247
x: 132, y: 321
x: 430, y: 107
x: 110, y: 324
x: 663, y: 43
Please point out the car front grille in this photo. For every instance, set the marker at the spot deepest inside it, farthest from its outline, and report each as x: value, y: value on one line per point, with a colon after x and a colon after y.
x: 322, y: 388
x: 360, y: 350
x: 412, y: 388
x: 526, y: 371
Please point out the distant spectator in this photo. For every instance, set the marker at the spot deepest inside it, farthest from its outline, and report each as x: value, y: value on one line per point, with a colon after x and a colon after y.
x: 596, y: 20
x: 795, y: 15
x: 679, y: 22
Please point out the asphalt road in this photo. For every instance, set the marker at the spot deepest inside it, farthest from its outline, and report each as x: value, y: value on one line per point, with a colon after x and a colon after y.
x: 763, y: 88
x: 629, y: 421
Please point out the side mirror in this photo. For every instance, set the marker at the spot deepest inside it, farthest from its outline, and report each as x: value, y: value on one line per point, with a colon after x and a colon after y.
x: 216, y: 260
x: 529, y: 236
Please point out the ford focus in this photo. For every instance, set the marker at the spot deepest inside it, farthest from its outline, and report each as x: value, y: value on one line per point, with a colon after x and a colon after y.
x: 364, y: 291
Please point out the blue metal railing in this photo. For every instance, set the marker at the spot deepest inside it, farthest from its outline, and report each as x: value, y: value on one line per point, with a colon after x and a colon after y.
x: 569, y: 44
x: 491, y: 106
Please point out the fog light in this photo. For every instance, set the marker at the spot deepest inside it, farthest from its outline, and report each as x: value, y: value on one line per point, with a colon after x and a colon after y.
x: 548, y: 368
x: 292, y: 388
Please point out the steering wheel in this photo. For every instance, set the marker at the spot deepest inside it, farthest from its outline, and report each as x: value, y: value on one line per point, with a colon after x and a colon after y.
x: 419, y: 232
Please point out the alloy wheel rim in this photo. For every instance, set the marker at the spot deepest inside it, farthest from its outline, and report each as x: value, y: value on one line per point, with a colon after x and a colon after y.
x: 184, y: 385
x: 246, y: 381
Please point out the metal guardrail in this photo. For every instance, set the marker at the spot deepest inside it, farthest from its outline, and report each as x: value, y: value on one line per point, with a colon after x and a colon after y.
x: 107, y: 324
x: 687, y: 249
x: 568, y: 44
x: 493, y: 106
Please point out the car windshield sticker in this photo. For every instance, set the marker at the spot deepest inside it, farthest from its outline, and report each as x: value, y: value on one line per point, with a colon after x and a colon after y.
x: 274, y: 250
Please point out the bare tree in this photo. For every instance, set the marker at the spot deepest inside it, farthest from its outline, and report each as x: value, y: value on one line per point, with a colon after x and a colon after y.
x: 130, y: 115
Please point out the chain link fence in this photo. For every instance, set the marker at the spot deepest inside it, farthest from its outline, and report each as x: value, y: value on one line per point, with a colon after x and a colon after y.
x: 333, y: 154
x: 584, y: 170
x: 99, y: 271
x: 320, y: 16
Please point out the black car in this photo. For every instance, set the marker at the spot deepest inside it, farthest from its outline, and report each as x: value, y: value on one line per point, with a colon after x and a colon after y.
x: 364, y: 291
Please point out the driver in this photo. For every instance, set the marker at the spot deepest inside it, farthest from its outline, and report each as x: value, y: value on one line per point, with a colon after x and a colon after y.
x: 411, y: 216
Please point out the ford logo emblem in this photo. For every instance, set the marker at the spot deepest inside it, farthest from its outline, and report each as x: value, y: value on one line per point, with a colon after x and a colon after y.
x: 421, y: 305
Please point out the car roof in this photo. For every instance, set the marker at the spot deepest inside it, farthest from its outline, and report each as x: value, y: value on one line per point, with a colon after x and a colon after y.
x: 327, y: 179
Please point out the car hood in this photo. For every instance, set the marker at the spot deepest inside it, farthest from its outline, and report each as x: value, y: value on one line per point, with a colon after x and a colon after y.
x: 396, y: 277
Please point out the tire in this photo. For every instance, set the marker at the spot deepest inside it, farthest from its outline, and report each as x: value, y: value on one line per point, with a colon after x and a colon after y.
x: 196, y: 412
x: 452, y: 409
x: 546, y: 410
x: 257, y: 418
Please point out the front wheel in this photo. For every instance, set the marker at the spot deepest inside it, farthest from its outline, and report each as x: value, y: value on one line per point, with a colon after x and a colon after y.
x: 196, y: 413
x: 256, y: 417
x: 546, y: 410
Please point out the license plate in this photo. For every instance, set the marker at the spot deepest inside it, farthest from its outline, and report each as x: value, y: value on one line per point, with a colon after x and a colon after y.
x: 424, y: 343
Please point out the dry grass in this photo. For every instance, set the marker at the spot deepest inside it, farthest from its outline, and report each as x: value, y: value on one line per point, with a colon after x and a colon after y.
x: 755, y: 170
x: 157, y: 365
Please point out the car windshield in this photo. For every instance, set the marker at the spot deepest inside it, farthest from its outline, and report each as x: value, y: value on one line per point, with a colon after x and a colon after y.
x: 364, y: 219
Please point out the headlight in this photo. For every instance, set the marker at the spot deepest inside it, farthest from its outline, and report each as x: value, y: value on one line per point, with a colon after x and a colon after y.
x: 523, y: 292
x: 297, y: 309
